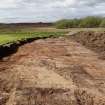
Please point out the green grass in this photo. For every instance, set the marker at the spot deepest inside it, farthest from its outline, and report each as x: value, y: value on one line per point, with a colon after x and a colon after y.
x: 9, y: 38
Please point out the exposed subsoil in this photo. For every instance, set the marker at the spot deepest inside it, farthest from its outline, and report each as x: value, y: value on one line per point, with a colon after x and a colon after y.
x: 53, y: 71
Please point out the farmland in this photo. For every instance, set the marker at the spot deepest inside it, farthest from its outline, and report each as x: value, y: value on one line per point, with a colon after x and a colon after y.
x: 9, y: 38
x: 58, y: 66
x: 52, y: 52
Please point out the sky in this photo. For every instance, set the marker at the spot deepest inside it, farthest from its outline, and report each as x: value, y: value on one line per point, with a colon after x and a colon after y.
x: 13, y: 11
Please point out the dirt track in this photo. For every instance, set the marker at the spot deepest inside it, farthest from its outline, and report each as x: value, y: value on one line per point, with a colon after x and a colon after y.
x: 52, y: 72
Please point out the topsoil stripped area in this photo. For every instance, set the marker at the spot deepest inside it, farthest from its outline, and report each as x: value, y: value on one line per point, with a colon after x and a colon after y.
x: 54, y: 71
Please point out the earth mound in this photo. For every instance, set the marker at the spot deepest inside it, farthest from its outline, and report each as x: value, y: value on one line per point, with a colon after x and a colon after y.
x: 92, y: 40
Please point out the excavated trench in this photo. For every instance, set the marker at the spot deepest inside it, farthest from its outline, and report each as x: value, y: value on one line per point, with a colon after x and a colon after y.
x: 6, y: 51
x: 53, y: 71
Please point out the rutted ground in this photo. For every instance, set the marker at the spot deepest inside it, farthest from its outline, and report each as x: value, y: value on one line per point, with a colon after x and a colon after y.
x: 54, y: 71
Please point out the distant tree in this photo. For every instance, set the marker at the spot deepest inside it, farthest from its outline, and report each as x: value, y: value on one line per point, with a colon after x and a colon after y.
x: 62, y: 24
x: 73, y: 23
x: 102, y: 24
x: 90, y: 22
x: 70, y: 23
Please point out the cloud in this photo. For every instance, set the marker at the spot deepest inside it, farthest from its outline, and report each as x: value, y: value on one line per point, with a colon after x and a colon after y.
x: 48, y: 10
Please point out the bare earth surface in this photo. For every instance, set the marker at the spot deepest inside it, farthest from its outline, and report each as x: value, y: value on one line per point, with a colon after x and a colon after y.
x: 55, y: 71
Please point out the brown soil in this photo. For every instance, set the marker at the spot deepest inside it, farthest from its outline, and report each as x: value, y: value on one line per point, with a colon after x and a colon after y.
x: 54, y: 71
x: 92, y: 40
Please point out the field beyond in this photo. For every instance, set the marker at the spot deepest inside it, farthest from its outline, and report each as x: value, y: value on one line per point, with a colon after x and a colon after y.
x: 10, y: 38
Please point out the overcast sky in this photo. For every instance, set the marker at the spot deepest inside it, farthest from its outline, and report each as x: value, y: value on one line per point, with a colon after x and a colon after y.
x: 48, y: 10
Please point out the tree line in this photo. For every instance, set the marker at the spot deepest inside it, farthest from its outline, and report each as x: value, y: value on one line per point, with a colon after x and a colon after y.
x: 87, y: 22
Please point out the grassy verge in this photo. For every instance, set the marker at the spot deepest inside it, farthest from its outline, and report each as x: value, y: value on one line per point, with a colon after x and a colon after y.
x: 9, y: 38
